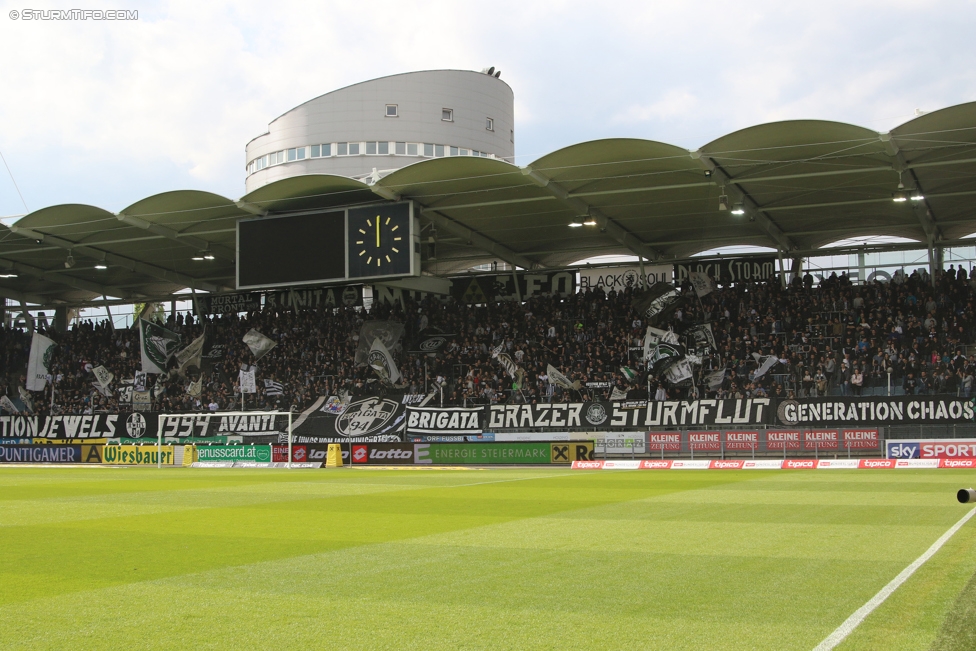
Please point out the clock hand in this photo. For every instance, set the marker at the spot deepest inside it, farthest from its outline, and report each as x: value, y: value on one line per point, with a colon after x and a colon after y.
x: 377, y: 232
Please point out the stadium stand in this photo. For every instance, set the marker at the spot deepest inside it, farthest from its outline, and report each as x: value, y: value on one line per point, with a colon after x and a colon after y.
x: 837, y: 338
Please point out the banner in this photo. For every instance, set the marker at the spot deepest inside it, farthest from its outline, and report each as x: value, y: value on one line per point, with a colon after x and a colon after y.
x: 728, y: 270
x: 137, y: 455
x: 620, y: 278
x: 874, y: 410
x: 931, y: 449
x: 313, y: 299
x: 619, y: 442
x: 446, y: 420
x: 246, y: 379
x: 501, y: 287
x: 383, y: 454
x: 39, y: 362
x: 502, y: 453
x: 229, y: 303
x: 257, y: 453
x: 366, y: 420
x: 50, y: 454
x: 669, y: 413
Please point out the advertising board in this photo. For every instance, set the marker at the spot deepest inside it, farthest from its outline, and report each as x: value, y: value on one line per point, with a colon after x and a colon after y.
x: 50, y: 454
x: 256, y: 453
x: 502, y: 453
x: 620, y: 442
x: 138, y: 455
x: 930, y: 449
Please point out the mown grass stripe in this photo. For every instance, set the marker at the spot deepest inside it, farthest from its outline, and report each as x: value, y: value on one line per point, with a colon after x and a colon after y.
x: 852, y: 622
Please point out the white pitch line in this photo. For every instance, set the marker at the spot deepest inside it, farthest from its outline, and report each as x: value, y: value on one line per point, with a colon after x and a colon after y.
x: 502, y: 481
x: 852, y: 622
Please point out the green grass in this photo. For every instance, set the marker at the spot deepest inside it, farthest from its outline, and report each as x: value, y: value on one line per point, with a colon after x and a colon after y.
x: 99, y: 558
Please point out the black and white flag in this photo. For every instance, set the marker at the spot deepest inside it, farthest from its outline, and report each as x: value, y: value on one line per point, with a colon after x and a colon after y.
x: 433, y: 343
x: 679, y: 373
x: 658, y: 302
x: 508, y: 364
x: 257, y: 342
x: 714, y: 379
x: 381, y: 361
x: 192, y: 355
x: 388, y: 332
x: 664, y: 356
x: 702, y: 283
x: 272, y: 388
x: 700, y: 338
x: 246, y: 377
x: 556, y: 377
x: 767, y: 363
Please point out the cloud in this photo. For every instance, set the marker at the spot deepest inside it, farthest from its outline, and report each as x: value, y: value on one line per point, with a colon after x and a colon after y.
x: 107, y: 113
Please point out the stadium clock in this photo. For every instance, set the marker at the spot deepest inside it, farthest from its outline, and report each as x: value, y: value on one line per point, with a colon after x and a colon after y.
x: 379, y: 241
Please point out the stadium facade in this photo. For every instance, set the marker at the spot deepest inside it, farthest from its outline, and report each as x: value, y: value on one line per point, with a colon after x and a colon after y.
x: 369, y: 129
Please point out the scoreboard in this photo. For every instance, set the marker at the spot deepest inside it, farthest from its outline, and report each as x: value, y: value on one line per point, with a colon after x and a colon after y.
x: 349, y: 244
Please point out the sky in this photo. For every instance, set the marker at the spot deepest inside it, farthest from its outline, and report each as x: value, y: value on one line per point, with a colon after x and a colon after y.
x: 109, y: 112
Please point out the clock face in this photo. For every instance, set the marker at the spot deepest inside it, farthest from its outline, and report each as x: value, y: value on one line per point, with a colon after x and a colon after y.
x: 379, y: 241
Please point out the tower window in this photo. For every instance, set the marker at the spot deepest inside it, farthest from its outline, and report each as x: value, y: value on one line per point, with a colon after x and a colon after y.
x: 489, y: 124
x: 391, y: 111
x: 447, y: 115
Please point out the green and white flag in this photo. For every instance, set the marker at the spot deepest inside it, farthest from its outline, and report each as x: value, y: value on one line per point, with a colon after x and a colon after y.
x: 629, y: 374
x: 39, y: 362
x: 157, y: 345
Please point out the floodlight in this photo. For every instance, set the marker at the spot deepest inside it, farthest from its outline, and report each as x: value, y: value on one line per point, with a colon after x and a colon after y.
x: 723, y: 202
x: 737, y: 209
x: 575, y: 224
x: 589, y: 222
x: 917, y: 195
x: 899, y: 197
x: 101, y: 265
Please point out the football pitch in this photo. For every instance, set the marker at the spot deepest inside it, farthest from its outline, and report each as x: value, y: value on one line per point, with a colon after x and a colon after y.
x: 129, y: 558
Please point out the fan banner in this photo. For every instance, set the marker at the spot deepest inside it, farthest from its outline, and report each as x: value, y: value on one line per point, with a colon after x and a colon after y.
x: 501, y: 287
x: 620, y: 278
x: 446, y: 420
x: 229, y: 303
x: 729, y: 270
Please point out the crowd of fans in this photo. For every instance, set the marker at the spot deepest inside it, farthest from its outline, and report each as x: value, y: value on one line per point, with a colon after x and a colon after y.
x: 907, y: 335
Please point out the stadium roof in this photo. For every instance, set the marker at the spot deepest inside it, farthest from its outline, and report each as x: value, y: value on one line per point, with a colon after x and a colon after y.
x: 801, y: 183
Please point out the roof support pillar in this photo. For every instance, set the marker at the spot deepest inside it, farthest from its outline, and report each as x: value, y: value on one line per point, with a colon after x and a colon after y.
x: 606, y: 224
x: 923, y: 211
x: 756, y: 213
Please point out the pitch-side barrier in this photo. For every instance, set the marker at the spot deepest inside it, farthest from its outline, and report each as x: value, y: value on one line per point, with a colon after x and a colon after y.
x: 770, y: 464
